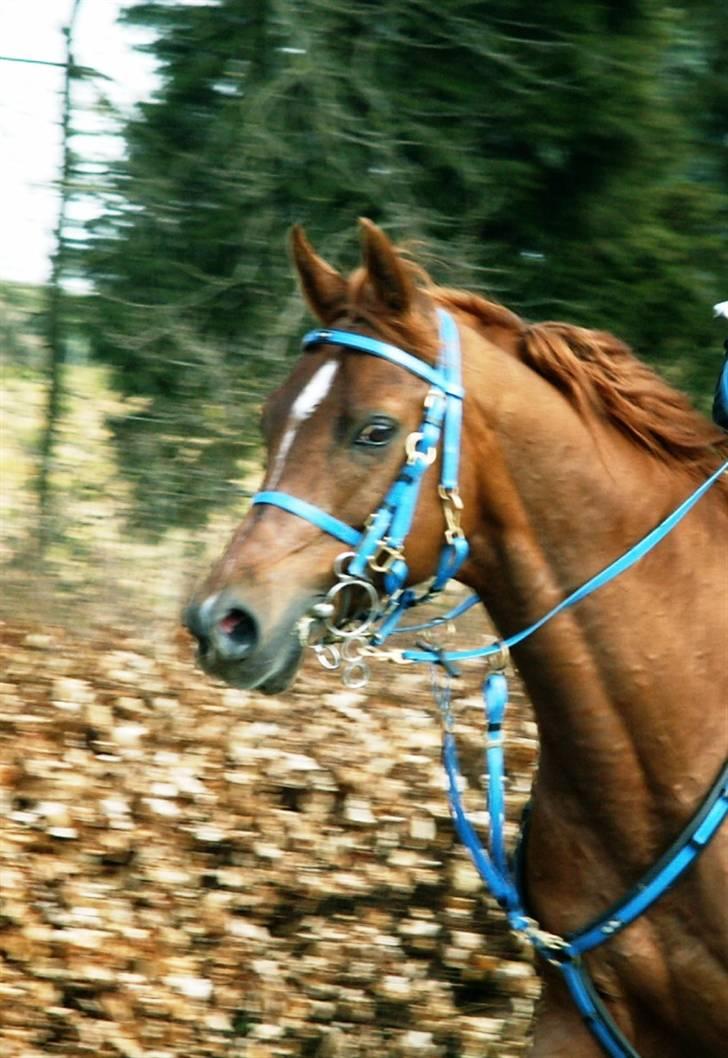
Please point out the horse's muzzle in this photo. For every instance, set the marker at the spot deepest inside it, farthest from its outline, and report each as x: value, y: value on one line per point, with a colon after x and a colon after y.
x: 223, y: 626
x: 233, y: 645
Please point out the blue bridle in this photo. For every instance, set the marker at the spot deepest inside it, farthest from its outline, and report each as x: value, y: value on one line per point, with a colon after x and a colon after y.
x: 379, y: 547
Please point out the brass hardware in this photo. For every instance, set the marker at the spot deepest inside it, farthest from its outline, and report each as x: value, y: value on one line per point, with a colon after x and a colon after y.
x: 384, y: 565
x: 414, y: 455
x: 498, y: 661
x: 452, y: 505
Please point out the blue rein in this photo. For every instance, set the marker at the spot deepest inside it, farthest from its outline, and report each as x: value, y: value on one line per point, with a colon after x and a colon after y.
x: 379, y: 546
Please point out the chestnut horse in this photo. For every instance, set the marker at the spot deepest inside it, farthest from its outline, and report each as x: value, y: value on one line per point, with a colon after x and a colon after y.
x: 571, y: 451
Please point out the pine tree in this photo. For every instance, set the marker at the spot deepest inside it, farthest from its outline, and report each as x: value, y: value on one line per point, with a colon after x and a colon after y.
x: 556, y: 156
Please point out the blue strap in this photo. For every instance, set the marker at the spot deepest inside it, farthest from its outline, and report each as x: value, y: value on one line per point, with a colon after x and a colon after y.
x: 498, y: 883
x: 391, y: 523
x: 635, y: 553
x: 405, y: 511
x: 671, y: 865
x: 407, y: 598
x: 450, y: 360
x: 598, y: 1019
x: 451, y: 615
x: 309, y: 513
x: 396, y: 577
x: 363, y: 344
x: 376, y: 530
x: 565, y: 953
x: 451, y: 559
x: 663, y: 874
x: 495, y: 697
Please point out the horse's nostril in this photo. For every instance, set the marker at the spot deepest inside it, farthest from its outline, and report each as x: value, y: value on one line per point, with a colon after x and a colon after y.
x: 239, y: 628
x: 225, y: 630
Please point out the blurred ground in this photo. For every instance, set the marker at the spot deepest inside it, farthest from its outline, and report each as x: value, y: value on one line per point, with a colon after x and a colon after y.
x: 188, y: 870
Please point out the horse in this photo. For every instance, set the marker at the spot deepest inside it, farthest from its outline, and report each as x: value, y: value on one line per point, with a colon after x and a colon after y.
x: 571, y: 450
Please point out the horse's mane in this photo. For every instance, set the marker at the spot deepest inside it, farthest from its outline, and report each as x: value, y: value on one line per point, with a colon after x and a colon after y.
x: 600, y: 374
x: 597, y: 372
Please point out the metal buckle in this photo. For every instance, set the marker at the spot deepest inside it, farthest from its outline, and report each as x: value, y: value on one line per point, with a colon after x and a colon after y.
x: 498, y: 661
x: 384, y: 565
x: 452, y: 505
x: 552, y: 947
x: 395, y: 656
x: 413, y: 453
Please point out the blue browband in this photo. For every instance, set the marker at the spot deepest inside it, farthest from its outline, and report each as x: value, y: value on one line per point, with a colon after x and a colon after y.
x: 361, y: 343
x: 379, y: 547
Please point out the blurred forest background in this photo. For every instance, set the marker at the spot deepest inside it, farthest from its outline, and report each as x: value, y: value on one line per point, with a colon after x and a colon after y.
x: 568, y: 159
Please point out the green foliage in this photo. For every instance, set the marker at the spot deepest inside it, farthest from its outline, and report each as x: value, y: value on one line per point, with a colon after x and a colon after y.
x: 568, y: 158
x: 21, y: 327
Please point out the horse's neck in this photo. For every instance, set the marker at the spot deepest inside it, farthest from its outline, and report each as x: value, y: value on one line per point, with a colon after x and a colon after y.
x: 614, y: 680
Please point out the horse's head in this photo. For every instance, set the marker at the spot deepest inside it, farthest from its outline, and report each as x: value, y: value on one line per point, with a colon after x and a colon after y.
x: 336, y: 432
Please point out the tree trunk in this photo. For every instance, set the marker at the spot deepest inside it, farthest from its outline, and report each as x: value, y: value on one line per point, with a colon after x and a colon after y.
x: 55, y: 327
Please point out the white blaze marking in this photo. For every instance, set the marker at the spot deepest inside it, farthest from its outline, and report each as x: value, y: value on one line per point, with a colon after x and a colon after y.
x: 305, y: 404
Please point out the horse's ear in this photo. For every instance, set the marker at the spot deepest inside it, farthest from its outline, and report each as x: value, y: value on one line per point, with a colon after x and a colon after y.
x: 387, y: 272
x: 324, y: 288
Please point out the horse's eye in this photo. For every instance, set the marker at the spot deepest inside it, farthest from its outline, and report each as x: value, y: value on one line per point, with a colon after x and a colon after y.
x: 376, y: 434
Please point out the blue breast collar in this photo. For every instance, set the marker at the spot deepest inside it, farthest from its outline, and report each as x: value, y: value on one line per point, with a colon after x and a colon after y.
x: 379, y: 547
